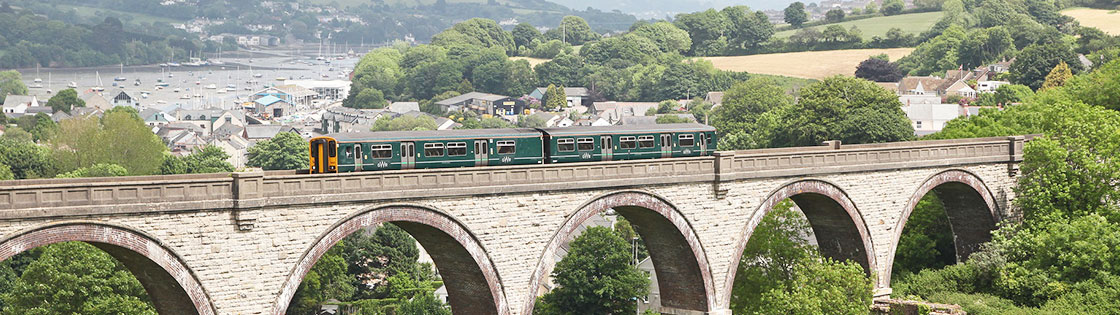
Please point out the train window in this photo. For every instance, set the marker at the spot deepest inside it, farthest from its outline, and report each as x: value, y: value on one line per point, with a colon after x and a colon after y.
x: 457, y: 149
x: 381, y: 151
x: 332, y: 149
x: 628, y: 142
x: 349, y: 152
x: 566, y: 145
x: 586, y: 144
x: 687, y: 140
x: 506, y: 147
x: 433, y: 149
x: 645, y: 142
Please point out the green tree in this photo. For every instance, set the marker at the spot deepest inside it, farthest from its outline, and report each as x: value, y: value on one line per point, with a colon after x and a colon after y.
x: 327, y: 279
x: 834, y: 16
x: 1036, y: 61
x: 743, y: 104
x: 18, y: 134
x: 120, y: 137
x: 666, y: 36
x: 65, y: 100
x: 565, y: 69
x: 11, y: 83
x: 573, y: 30
x: 26, y: 160
x: 285, y: 151
x: 551, y: 49
x: 1005, y: 95
x: 892, y: 7
x: 207, y: 159
x: 368, y: 98
x: 707, y: 29
x: 554, y: 98
x: 76, y: 278
x: 746, y: 29
x: 779, y: 266
x: 97, y: 170
x: 795, y: 14
x: 847, y: 109
x: 39, y: 125
x: 405, y: 123
x: 926, y: 241
x: 524, y: 34
x: 6, y: 174
x: 614, y: 289
x: 1058, y: 76
x: 479, y: 32
x: 387, y: 252
x: 423, y: 304
x: 672, y: 119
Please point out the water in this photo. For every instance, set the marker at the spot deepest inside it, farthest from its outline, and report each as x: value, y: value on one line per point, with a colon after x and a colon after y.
x: 192, y: 82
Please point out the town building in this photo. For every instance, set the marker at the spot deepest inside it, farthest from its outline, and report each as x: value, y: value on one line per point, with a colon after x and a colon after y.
x: 614, y: 111
x: 333, y: 90
x: 18, y: 104
x: 930, y: 118
x: 481, y: 103
x: 575, y: 95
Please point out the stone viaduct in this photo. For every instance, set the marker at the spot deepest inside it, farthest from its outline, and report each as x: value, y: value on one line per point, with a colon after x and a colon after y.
x: 241, y: 243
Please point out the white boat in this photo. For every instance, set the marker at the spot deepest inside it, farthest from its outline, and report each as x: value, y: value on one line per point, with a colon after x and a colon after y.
x: 257, y: 75
x: 212, y: 86
x: 185, y: 97
x: 121, y: 77
x: 72, y: 85
x: 174, y: 64
x: 161, y: 102
x: 38, y: 80
x: 176, y: 90
x: 100, y: 85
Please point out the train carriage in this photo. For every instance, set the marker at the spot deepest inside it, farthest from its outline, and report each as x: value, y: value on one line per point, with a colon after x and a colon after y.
x: 395, y: 150
x: 607, y: 143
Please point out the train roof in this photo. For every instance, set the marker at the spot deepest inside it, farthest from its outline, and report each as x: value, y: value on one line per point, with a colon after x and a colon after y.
x: 583, y: 130
x: 435, y: 134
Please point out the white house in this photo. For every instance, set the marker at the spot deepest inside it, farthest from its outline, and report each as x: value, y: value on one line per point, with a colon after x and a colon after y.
x: 989, y: 86
x: 18, y: 104
x: 930, y: 118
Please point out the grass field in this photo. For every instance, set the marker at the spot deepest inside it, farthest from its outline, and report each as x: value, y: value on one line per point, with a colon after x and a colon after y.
x: 100, y: 13
x: 807, y: 65
x: 913, y: 23
x: 1106, y: 20
x: 532, y: 61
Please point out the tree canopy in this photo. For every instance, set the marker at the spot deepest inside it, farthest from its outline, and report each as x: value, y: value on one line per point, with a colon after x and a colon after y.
x: 285, y: 151
x: 598, y: 251
x: 65, y: 100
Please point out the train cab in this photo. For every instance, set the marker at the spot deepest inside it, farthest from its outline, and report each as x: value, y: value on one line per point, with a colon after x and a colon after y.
x: 324, y: 155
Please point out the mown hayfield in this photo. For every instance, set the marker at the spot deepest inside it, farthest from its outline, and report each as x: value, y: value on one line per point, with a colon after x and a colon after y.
x: 532, y: 61
x: 1106, y: 20
x: 807, y: 65
x: 913, y: 23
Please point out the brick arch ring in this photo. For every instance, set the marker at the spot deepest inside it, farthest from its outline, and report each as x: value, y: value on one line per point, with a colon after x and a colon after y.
x: 963, y: 183
x: 842, y: 222
x: 172, y: 286
x: 446, y: 239
x: 652, y: 213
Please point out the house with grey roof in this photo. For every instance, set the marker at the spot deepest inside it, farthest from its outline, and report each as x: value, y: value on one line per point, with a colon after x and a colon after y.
x: 155, y: 118
x: 614, y: 111
x: 18, y: 104
x: 121, y: 97
x: 482, y: 103
x: 403, y: 107
x: 345, y: 119
x: 255, y: 133
x: 96, y: 100
x: 575, y: 95
x: 274, y: 107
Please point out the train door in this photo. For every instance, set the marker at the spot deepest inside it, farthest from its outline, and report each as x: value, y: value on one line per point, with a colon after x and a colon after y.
x: 318, y: 156
x: 359, y: 159
x: 703, y: 144
x: 481, y: 152
x: 408, y: 155
x: 607, y: 147
x: 666, y: 145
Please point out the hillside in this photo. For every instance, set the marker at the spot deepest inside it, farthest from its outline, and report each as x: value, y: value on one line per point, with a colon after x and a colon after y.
x: 661, y: 8
x: 824, y: 63
x: 522, y: 4
x: 913, y: 23
x: 1106, y: 20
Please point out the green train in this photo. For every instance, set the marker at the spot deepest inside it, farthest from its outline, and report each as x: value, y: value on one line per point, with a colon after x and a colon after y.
x: 396, y: 150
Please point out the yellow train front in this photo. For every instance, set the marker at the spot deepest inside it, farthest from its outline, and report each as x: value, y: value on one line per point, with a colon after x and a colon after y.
x: 395, y: 150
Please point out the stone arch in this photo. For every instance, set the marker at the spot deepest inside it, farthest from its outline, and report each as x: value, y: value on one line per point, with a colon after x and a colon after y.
x: 172, y: 286
x: 970, y: 205
x: 683, y: 274
x: 839, y: 227
x: 463, y: 263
